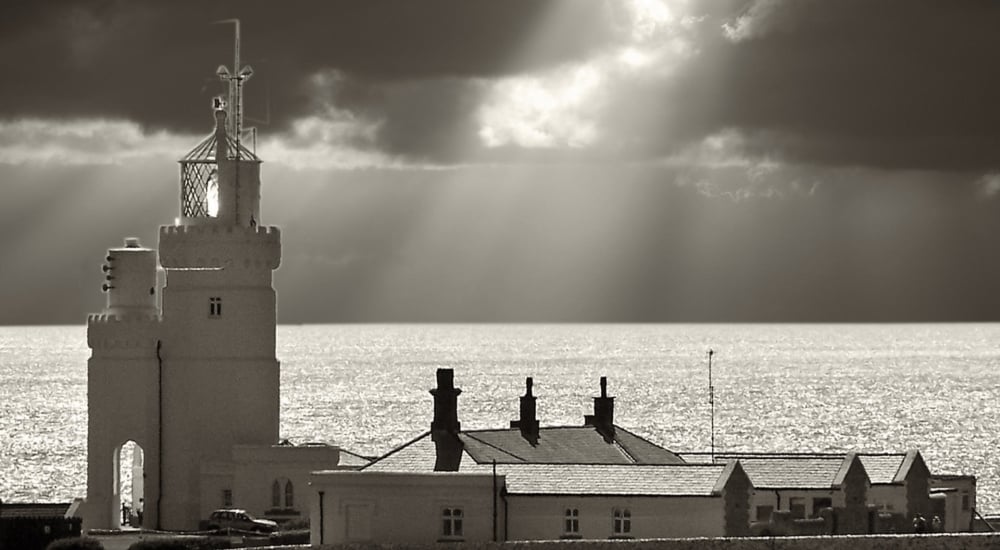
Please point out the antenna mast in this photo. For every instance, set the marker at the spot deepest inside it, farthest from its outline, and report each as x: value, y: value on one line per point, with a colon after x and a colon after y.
x: 235, y: 80
x: 711, y: 402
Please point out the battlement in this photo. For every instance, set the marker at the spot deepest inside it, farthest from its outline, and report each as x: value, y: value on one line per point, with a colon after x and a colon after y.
x: 109, y: 330
x: 225, y: 246
x: 215, y: 230
x: 110, y: 318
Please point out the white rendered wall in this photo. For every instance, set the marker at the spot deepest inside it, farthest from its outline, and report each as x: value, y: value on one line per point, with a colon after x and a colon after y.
x: 256, y: 469
x: 400, y: 508
x: 122, y: 378
x: 542, y: 517
x: 220, y: 373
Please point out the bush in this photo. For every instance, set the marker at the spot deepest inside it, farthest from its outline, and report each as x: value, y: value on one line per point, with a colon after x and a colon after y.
x: 75, y: 543
x: 298, y: 536
x: 179, y: 543
x: 294, y: 525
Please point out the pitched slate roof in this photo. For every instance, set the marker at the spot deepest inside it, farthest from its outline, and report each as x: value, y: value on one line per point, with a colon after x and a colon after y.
x: 418, y: 456
x: 793, y: 473
x: 348, y: 458
x: 882, y: 468
x: 565, y: 445
x: 555, y: 445
x: 34, y: 510
x: 615, y: 479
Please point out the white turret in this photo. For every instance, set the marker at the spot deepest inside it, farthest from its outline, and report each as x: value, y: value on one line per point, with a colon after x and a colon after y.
x: 131, y: 280
x: 122, y: 372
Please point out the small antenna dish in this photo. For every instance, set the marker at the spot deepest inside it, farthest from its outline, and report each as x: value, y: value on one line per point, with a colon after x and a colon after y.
x: 222, y: 71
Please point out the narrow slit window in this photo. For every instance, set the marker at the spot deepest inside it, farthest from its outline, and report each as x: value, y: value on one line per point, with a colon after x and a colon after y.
x: 276, y: 494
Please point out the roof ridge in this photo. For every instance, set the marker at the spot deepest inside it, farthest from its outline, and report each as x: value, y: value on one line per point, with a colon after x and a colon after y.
x: 395, y: 450
x: 488, y: 444
x: 618, y: 464
x: 483, y: 430
x: 644, y: 440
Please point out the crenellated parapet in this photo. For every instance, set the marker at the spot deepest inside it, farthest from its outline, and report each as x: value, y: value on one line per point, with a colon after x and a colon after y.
x: 226, y: 246
x: 112, y: 331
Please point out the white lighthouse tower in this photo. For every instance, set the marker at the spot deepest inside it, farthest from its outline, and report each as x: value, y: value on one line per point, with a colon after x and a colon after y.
x: 220, y: 375
x: 196, y: 376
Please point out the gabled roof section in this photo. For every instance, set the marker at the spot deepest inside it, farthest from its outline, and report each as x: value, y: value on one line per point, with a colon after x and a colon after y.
x: 348, y: 458
x: 883, y: 468
x: 910, y: 461
x: 418, y: 456
x: 205, y: 151
x: 564, y: 445
x: 803, y: 472
x: 555, y: 445
x: 615, y: 479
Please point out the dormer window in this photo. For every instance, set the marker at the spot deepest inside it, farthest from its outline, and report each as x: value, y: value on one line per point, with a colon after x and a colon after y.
x: 215, y: 306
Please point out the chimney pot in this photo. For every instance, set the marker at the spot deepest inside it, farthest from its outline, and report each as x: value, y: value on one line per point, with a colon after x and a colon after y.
x: 527, y: 421
x: 604, y: 411
x: 445, y: 427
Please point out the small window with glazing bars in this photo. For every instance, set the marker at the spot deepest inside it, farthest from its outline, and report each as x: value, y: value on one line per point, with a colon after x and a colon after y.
x: 215, y: 306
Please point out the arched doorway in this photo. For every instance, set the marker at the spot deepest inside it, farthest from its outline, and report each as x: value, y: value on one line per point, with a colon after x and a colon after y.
x: 128, y: 501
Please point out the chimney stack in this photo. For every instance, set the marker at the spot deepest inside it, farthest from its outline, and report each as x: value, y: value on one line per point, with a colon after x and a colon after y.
x: 604, y: 411
x: 528, y: 422
x: 445, y: 425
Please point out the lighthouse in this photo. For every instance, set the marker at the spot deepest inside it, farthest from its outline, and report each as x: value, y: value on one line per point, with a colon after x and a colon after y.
x: 188, y: 371
x: 218, y: 370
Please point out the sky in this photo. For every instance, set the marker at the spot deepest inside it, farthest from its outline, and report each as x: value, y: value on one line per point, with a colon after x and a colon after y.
x: 526, y: 160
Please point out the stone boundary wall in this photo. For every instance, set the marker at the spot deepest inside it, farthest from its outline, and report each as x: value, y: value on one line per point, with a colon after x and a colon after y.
x: 942, y: 541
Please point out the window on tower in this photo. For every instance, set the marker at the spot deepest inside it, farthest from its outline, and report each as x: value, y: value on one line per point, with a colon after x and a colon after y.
x: 212, y: 194
x: 215, y: 306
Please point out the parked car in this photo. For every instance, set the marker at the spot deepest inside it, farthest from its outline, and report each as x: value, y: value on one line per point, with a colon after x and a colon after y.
x: 239, y: 519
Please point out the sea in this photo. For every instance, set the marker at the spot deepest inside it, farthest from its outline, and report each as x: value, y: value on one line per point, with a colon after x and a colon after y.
x: 777, y: 387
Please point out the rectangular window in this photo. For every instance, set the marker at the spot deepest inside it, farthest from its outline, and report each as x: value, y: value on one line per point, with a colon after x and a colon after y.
x: 227, y: 498
x: 622, y: 525
x: 820, y: 503
x: 797, y: 506
x: 965, y: 501
x: 451, y: 523
x: 572, y: 524
x: 764, y: 513
x: 215, y: 306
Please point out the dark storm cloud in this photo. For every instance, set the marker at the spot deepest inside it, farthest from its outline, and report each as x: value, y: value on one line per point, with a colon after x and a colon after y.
x: 891, y: 83
x: 906, y: 84
x: 125, y: 59
x: 882, y: 83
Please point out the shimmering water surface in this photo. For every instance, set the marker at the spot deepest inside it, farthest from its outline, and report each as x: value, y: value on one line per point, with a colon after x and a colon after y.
x: 778, y: 388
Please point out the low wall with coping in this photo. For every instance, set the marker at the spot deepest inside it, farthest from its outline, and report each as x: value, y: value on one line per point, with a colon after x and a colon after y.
x: 942, y: 541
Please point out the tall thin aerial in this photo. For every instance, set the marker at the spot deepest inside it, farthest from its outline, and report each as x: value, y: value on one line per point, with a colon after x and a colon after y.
x: 711, y: 403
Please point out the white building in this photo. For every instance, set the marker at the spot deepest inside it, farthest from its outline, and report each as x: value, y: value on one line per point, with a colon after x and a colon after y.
x: 527, y: 482
x: 188, y: 371
x: 895, y: 486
